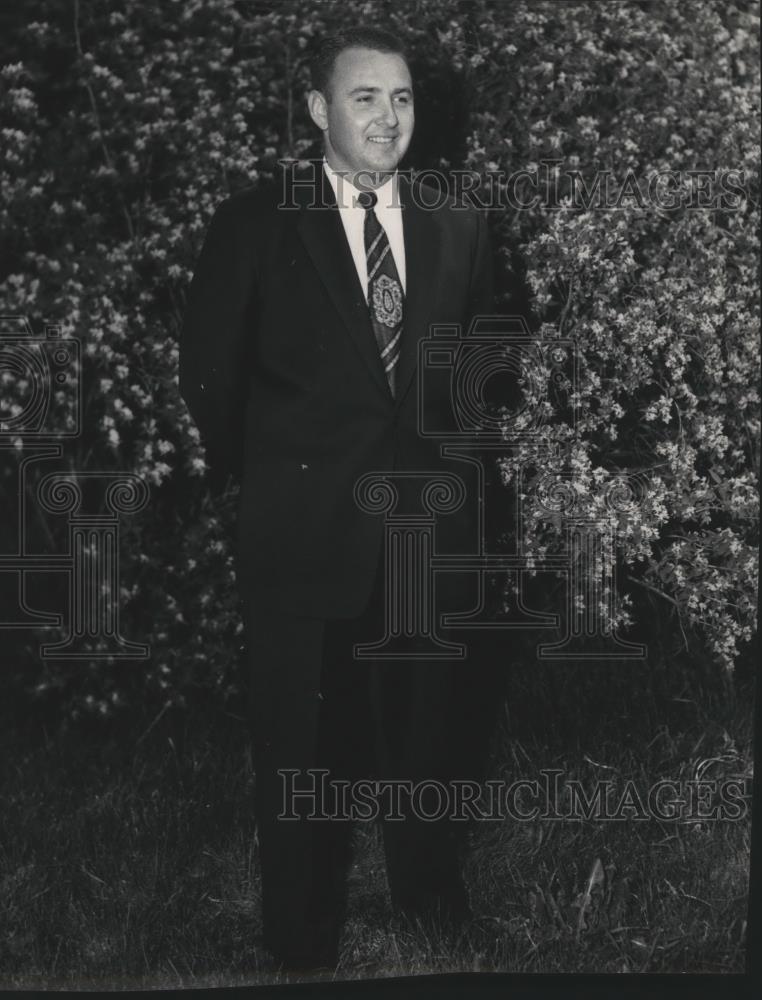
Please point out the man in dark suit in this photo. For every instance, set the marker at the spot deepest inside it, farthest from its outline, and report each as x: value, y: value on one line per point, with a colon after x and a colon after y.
x: 298, y: 363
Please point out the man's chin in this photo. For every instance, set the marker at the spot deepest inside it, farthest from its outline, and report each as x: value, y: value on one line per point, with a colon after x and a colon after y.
x: 383, y: 159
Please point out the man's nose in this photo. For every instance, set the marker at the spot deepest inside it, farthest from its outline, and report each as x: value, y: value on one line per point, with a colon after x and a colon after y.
x: 389, y: 115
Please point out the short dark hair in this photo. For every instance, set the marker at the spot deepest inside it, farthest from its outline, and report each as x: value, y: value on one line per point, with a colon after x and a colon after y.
x: 331, y: 46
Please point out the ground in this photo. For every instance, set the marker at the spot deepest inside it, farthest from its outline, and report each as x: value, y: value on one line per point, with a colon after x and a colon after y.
x: 128, y: 857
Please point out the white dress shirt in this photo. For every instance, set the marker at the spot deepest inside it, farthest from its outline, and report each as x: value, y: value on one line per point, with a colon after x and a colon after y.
x: 388, y: 212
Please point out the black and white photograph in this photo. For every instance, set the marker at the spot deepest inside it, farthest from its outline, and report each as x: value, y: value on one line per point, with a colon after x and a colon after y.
x: 379, y: 505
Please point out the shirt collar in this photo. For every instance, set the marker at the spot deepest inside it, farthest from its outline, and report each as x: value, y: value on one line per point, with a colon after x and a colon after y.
x: 387, y: 192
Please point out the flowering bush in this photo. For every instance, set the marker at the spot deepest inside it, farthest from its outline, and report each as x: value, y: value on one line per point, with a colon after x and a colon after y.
x: 124, y: 128
x: 659, y: 294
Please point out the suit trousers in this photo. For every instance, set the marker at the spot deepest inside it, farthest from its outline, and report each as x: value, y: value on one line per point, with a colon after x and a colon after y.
x: 313, y: 705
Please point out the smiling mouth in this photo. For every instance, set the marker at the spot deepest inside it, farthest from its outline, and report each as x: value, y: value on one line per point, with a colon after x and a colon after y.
x: 384, y: 140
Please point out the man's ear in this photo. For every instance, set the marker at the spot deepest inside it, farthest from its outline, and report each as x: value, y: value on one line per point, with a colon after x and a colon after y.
x: 318, y: 109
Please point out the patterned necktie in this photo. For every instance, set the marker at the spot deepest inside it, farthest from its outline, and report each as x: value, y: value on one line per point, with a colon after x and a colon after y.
x: 385, y: 296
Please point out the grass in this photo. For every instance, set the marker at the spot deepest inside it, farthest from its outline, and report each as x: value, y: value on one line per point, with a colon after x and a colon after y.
x: 129, y: 859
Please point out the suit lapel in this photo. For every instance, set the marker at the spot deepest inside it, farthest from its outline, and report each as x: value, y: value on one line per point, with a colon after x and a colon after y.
x: 322, y: 233
x: 422, y: 265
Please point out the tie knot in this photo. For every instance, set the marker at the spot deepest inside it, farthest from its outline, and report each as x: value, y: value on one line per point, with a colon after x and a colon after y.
x: 367, y: 199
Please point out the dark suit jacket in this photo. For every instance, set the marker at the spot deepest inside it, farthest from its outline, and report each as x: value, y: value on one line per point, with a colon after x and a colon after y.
x: 280, y: 370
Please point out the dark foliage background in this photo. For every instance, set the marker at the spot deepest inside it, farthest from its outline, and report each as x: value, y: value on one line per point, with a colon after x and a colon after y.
x: 123, y: 128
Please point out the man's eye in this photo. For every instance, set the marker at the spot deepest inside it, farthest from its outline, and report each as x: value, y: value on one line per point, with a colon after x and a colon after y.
x: 363, y: 100
x: 403, y: 100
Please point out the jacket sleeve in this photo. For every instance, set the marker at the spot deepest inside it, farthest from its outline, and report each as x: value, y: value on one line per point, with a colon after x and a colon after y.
x: 481, y: 290
x: 217, y: 333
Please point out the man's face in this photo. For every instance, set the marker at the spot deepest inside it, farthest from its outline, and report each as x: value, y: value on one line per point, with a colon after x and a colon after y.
x: 367, y: 117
